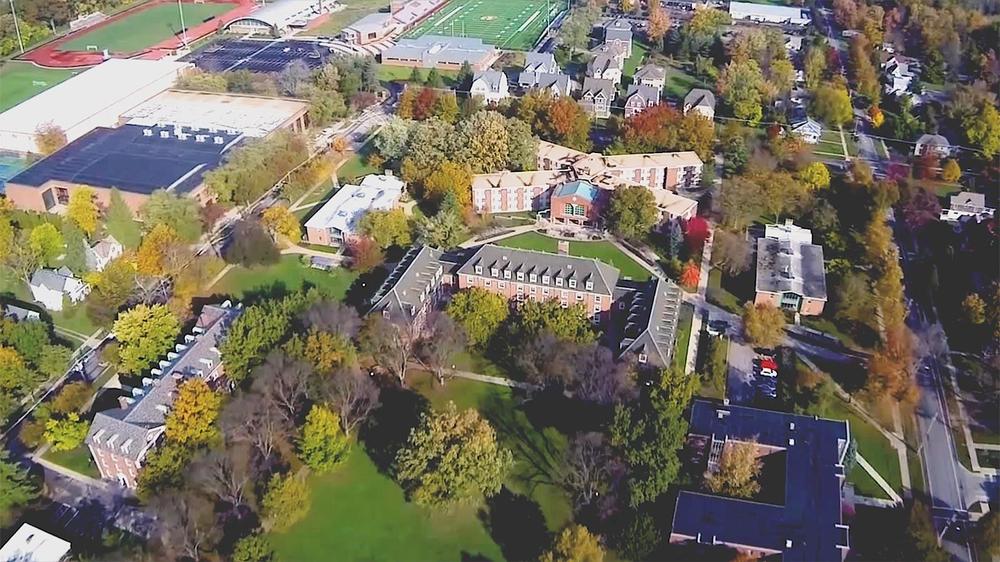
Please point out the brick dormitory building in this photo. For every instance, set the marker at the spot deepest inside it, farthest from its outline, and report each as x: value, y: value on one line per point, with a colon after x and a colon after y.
x: 640, y: 316
x: 120, y: 439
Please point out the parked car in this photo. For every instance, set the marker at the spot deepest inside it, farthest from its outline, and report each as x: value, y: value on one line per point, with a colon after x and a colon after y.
x: 717, y: 328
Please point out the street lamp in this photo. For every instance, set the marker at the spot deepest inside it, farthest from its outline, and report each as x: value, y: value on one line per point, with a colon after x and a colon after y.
x: 184, y: 33
x: 17, y: 29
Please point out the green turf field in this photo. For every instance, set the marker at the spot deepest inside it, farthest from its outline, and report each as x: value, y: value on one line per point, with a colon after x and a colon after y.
x: 511, y: 24
x: 145, y: 28
x: 22, y: 80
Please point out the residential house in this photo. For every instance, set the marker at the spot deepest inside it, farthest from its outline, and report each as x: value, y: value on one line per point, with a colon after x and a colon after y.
x: 51, y: 287
x: 651, y: 75
x: 120, y: 439
x: 596, y: 97
x: 528, y: 275
x: 648, y: 321
x: 535, y: 65
x: 605, y: 66
x: 639, y: 98
x: 898, y: 74
x: 673, y: 206
x: 936, y: 144
x: 807, y: 526
x: 967, y: 205
x: 808, y: 130
x: 700, y: 101
x: 103, y: 252
x: 490, y: 85
x: 577, y: 202
x: 557, y: 84
x: 31, y: 544
x: 790, y: 270
x: 336, y: 222
x: 618, y: 33
x: 513, y: 192
x: 416, y: 285
x: 19, y: 313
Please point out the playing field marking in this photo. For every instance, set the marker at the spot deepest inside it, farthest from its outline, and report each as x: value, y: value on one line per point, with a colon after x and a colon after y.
x: 445, y: 18
x: 522, y: 28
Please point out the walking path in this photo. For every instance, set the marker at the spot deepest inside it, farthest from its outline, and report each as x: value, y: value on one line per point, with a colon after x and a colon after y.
x: 37, y: 457
x: 695, y: 336
x: 879, y: 480
x: 489, y: 379
x: 507, y: 233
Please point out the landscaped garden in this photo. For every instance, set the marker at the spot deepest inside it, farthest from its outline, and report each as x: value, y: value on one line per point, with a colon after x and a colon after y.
x: 602, y: 250
x: 77, y: 460
x: 289, y: 275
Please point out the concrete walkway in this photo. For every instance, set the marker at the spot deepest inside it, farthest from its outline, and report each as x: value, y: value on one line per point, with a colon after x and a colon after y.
x: 489, y: 379
x: 695, y: 337
x: 296, y: 249
x: 879, y: 480
x: 512, y: 231
x: 37, y: 457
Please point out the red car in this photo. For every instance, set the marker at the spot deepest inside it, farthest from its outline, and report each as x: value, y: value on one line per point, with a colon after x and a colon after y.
x: 768, y: 363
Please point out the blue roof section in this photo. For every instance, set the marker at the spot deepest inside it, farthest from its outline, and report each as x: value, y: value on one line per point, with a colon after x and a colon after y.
x: 581, y: 188
x: 255, y: 55
x: 134, y: 158
x: 808, y: 526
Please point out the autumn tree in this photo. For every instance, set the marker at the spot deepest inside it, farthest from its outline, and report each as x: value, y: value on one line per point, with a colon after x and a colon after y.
x: 353, y: 395
x: 82, y: 209
x: 49, y: 138
x: 387, y: 228
x: 659, y: 24
x: 588, y: 467
x: 832, y: 104
x: 181, y: 213
x: 740, y: 84
x: 323, y: 444
x: 567, y: 124
x: 738, y: 471
x: 449, y: 178
x: 285, y: 502
x: 253, y: 548
x: 443, y: 339
x: 452, y: 457
x: 192, y: 417
x: 110, y: 290
x: 974, y: 308
x: 690, y: 275
x: 479, y: 312
x: 71, y: 397
x: 365, y: 254
x: 763, y: 324
x: 280, y: 221
x: 815, y: 175
x: 951, y: 171
x: 632, y: 212
x: 983, y: 130
x: 46, y: 243
x: 144, y: 334
x: 66, y: 434
x: 157, y: 246
x: 815, y: 64
x: 574, y: 544
x: 390, y: 342
x: 876, y: 115
x: 730, y: 252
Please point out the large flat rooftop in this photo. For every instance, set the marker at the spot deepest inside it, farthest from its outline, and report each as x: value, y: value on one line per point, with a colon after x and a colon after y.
x: 254, y: 116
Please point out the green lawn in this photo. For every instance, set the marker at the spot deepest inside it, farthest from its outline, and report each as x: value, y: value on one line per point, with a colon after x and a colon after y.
x: 73, y: 318
x: 684, y: 319
x: 354, y: 168
x: 719, y: 296
x: 475, y: 362
x: 352, y: 12
x: 633, y: 62
x: 679, y: 83
x: 601, y: 250
x: 22, y: 80
x: 871, y: 444
x: 514, y: 24
x: 290, y: 273
x: 77, y: 459
x: 388, y: 73
x: 145, y: 27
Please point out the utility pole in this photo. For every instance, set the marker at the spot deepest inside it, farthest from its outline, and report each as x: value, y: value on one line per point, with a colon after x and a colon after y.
x: 184, y: 31
x: 17, y: 29
x: 928, y: 432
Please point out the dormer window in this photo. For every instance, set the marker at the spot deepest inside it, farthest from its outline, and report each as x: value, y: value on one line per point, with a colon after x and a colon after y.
x: 520, y: 276
x: 533, y: 278
x: 494, y: 272
x: 590, y: 285
x: 559, y: 281
x: 643, y: 358
x: 506, y: 274
x: 572, y: 283
x: 479, y: 270
x: 545, y: 279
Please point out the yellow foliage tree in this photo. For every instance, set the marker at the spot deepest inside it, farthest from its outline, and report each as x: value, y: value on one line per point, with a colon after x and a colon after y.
x: 279, y: 220
x: 152, y: 257
x: 82, y: 209
x: 951, y: 171
x: 575, y: 544
x: 192, y: 417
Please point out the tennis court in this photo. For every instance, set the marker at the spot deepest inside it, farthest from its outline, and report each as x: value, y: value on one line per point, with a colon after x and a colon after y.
x: 145, y: 28
x: 22, y: 80
x: 510, y: 24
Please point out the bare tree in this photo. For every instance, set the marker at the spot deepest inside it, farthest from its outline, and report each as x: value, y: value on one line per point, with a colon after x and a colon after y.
x: 284, y: 383
x: 226, y: 474
x: 390, y: 343
x: 334, y: 317
x: 543, y: 360
x: 442, y: 340
x: 588, y: 467
x: 354, y: 395
x: 600, y: 379
x: 730, y: 252
x: 187, y: 524
x: 250, y: 419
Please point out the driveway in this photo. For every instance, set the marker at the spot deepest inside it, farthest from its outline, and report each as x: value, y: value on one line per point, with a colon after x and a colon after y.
x: 740, y: 377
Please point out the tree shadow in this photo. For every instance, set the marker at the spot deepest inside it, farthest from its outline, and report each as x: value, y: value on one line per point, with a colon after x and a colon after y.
x: 361, y: 291
x: 552, y: 408
x: 516, y: 524
x: 388, y: 428
x: 538, y: 458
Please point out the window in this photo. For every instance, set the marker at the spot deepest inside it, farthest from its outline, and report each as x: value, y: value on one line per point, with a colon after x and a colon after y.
x: 643, y: 358
x: 494, y: 272
x: 545, y: 291
x: 385, y: 314
x: 545, y: 279
x: 568, y: 209
x: 579, y: 297
x: 506, y: 274
x: 559, y: 281
x: 534, y: 290
x: 572, y: 283
x: 579, y: 210
x: 533, y: 278
x: 501, y: 285
x: 520, y: 276
x: 479, y: 270
x: 487, y: 283
x: 597, y: 298
x: 590, y: 285
x: 520, y: 289
x: 564, y: 304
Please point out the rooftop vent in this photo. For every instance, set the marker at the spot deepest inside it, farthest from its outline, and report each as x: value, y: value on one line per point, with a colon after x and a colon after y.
x: 147, y: 132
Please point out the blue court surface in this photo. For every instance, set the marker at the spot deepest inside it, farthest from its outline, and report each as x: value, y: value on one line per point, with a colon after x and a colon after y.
x: 257, y: 56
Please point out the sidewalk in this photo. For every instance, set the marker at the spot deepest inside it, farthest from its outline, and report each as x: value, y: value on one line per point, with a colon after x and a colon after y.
x: 879, y: 480
x: 695, y: 336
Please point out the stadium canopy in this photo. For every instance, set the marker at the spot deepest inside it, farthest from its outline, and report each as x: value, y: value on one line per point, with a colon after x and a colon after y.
x: 275, y: 18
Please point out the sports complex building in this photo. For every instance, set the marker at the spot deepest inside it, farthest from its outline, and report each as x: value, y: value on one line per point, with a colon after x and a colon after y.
x: 279, y: 18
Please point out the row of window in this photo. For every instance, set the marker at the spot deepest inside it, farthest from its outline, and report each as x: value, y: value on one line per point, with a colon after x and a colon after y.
x: 576, y: 210
x: 533, y: 290
x: 533, y: 278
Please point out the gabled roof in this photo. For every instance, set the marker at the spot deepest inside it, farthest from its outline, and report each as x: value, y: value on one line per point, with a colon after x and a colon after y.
x: 643, y: 94
x: 618, y: 30
x: 53, y: 279
x: 602, y: 62
x: 594, y: 86
x: 506, y: 178
x: 539, y: 62
x: 494, y: 79
x: 410, y: 284
x: 934, y: 140
x: 351, y: 202
x: 561, y: 82
x: 698, y: 97
x: 650, y: 327
x: 489, y: 256
x: 651, y: 72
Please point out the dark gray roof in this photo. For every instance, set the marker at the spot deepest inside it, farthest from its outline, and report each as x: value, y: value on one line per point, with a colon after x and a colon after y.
x: 786, y: 266
x: 414, y: 279
x: 560, y: 81
x: 643, y: 93
x: 593, y: 86
x: 539, y: 62
x: 54, y: 279
x: 601, y: 62
x: 650, y: 325
x: 132, y: 430
x: 583, y: 270
x: 650, y: 72
x: 808, y: 526
x: 699, y: 97
x: 933, y: 140
x: 493, y: 78
x: 618, y: 30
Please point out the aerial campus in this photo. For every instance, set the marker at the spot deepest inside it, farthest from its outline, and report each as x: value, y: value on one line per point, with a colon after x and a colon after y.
x: 556, y: 280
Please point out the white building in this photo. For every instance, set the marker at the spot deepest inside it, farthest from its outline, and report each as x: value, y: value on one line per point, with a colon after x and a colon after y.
x: 899, y: 73
x: 279, y: 17
x: 49, y: 287
x: 967, y: 204
x: 700, y: 101
x: 490, y: 85
x: 535, y: 66
x: 95, y: 98
x: 767, y: 13
x: 31, y: 544
x: 103, y: 252
x: 808, y: 130
x: 936, y: 144
x: 337, y: 220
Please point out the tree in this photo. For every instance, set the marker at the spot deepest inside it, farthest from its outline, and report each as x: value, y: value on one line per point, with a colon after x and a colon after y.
x: 323, y: 444
x: 259, y: 329
x: 144, y: 334
x: 285, y: 503
x: 740, y: 84
x: 567, y: 124
x: 443, y: 340
x: 923, y: 536
x: 452, y: 457
x: 534, y: 318
x: 480, y: 313
x: 659, y: 24
x: 71, y: 398
x: 738, y: 471
x: 690, y: 275
x: 387, y: 228
x: 575, y: 544
x: 186, y: 525
x: 443, y: 230
x: 227, y: 474
x: 951, y: 171
x: 815, y: 65
x: 483, y: 142
x: 154, y: 253
x: 120, y: 223
x: 67, y: 433
x: 110, y: 289
x: 82, y: 209
x: 46, y: 242
x: 984, y: 130
x: 180, y: 213
x: 763, y: 325
x: 327, y: 351
x: 280, y: 221
x: 390, y: 343
x: 854, y: 299
x: 283, y: 381
x: 987, y: 534
x: 449, y: 178
x: 632, y: 212
x: 192, y: 416
x: 832, y: 104
x: 16, y: 488
x: 75, y: 256
x: 49, y: 138
x: 353, y: 395
x: 251, y: 245
x: 162, y: 470
x: 253, y: 548
x: 365, y: 254
x: 588, y: 467
x: 815, y: 175
x: 974, y: 308
x: 876, y: 115
x: 730, y: 252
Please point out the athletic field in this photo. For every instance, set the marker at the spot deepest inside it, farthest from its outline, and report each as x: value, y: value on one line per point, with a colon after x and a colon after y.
x: 145, y: 27
x: 508, y: 24
x: 22, y: 80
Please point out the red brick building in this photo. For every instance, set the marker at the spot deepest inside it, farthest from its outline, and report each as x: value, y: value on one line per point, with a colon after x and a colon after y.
x: 577, y: 202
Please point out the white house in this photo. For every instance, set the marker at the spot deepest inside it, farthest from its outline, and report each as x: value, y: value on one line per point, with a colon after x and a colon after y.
x: 31, y: 544
x: 808, y: 130
x: 967, y: 204
x: 103, y: 252
x: 937, y: 144
x: 899, y: 74
x: 605, y: 67
x: 535, y: 66
x: 700, y: 101
x: 640, y: 97
x: 558, y: 84
x: 596, y: 97
x: 490, y: 85
x: 50, y: 286
x: 651, y: 75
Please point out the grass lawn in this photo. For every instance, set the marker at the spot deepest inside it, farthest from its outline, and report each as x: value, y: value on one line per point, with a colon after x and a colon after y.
x: 632, y: 63
x: 865, y: 485
x: 601, y: 250
x: 353, y: 168
x: 352, y: 12
x: 72, y: 318
x: 684, y: 319
x: 830, y: 327
x: 939, y: 188
x: 872, y: 445
x: 679, y: 82
x: 720, y: 296
x: 388, y: 73
x: 289, y: 272
x: 77, y: 459
x: 514, y: 24
x: 145, y: 27
x: 475, y: 362
x: 22, y: 80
